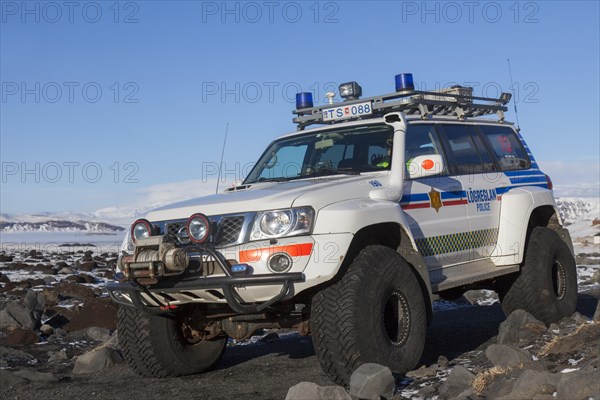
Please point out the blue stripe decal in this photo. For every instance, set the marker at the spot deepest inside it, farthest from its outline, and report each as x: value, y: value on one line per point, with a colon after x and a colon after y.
x: 454, y: 195
x: 533, y: 179
x: 414, y: 197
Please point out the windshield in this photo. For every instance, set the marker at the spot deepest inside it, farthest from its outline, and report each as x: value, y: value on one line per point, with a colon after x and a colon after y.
x: 336, y: 151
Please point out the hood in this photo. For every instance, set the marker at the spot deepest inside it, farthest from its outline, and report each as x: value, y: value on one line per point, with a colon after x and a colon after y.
x: 314, y: 192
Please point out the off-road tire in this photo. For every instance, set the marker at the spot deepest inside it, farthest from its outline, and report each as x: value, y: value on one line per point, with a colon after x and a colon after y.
x: 546, y: 286
x: 154, y: 346
x: 348, y: 318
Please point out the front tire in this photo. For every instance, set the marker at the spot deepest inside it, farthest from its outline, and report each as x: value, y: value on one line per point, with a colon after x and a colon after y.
x: 155, y: 346
x: 374, y: 313
x: 546, y: 286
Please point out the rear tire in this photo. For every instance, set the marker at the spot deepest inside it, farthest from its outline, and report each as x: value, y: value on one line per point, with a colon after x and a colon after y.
x: 374, y: 313
x: 154, y: 346
x: 546, y: 287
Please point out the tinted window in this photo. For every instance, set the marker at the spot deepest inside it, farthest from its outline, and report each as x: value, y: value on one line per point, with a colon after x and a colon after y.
x: 509, y: 151
x: 466, y: 151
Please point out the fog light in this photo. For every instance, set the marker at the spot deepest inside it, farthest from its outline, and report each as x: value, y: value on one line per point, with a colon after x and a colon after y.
x: 280, y: 262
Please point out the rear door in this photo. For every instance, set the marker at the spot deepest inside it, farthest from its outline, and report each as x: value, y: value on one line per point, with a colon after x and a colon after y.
x: 435, y: 206
x: 472, y: 164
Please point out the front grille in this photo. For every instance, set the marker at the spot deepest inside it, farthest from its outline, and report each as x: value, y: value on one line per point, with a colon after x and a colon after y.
x: 229, y: 229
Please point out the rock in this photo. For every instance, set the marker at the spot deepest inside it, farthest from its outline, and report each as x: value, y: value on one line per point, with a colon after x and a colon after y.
x: 531, y: 383
x: 18, y: 337
x: 65, y: 271
x: 34, y: 300
x: 312, y: 391
x: 518, y: 327
x: 372, y: 379
x: 88, y: 266
x: 427, y: 392
x: 22, y: 315
x: 4, y: 278
x: 36, y: 376
x: 507, y: 356
x: 333, y: 393
x: 7, y: 322
x: 95, y: 312
x: 50, y: 296
x: 9, y: 378
x: 48, y: 280
x: 579, y: 318
x: 579, y: 386
x: 46, y: 330
x: 596, y: 317
x: 74, y: 290
x: 423, y: 372
x: 468, y: 394
x: 303, y: 391
x: 5, y: 258
x: 500, y: 386
x: 442, y: 362
x: 96, y: 360
x: 459, y: 380
x: 99, y: 334
x: 61, y: 264
x: 57, y: 356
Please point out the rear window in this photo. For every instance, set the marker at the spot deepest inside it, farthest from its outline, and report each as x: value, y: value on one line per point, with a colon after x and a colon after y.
x: 467, y: 153
x: 508, y: 148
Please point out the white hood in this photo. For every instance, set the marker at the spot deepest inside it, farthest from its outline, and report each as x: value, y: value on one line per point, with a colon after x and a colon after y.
x: 314, y: 192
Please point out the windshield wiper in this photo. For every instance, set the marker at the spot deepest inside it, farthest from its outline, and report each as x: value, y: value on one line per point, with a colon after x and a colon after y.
x: 329, y: 172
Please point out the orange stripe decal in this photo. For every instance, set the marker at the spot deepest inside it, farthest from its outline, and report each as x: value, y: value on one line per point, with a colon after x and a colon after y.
x: 293, y: 249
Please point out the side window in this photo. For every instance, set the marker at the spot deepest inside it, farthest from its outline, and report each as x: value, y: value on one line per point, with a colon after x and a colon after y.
x: 509, y: 151
x: 421, y: 140
x: 466, y: 151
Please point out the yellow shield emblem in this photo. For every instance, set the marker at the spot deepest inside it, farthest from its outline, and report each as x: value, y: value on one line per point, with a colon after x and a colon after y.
x: 435, y: 199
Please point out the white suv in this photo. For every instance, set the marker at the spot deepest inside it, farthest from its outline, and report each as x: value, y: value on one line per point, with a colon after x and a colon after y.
x: 349, y: 231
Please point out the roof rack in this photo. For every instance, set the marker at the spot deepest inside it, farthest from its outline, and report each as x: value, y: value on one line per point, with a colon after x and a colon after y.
x: 456, y: 101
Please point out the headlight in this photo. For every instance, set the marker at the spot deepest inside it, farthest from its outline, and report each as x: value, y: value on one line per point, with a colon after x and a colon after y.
x: 141, y: 229
x: 279, y: 223
x: 198, y: 228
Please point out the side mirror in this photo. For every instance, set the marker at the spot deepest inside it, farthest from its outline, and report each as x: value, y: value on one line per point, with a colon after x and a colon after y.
x: 423, y: 166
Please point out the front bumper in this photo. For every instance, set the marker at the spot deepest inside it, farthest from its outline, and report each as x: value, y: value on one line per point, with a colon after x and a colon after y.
x: 151, y: 299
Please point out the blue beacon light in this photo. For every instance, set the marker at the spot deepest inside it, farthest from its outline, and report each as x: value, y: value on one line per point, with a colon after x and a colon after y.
x: 304, y: 100
x: 404, y: 82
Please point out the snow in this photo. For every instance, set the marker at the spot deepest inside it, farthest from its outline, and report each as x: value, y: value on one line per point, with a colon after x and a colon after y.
x: 567, y: 370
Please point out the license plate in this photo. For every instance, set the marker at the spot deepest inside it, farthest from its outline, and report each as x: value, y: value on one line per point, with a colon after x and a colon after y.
x: 349, y: 111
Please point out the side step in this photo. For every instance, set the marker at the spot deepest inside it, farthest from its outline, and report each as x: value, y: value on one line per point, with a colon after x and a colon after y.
x: 443, y: 278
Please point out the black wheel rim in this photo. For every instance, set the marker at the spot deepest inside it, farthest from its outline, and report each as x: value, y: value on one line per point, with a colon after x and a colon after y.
x: 559, y: 279
x: 396, y: 318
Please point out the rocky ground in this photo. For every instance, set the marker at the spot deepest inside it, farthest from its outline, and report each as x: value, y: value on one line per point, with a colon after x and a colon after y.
x: 58, y: 339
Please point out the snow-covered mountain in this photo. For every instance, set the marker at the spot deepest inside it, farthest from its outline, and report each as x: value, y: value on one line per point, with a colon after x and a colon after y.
x: 54, y: 225
x: 580, y: 215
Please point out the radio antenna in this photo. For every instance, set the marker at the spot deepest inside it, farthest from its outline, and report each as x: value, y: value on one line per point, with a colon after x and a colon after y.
x: 512, y: 87
x: 222, y: 154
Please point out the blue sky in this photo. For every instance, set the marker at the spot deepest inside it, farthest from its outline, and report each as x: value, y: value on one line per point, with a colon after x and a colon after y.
x: 141, y: 92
